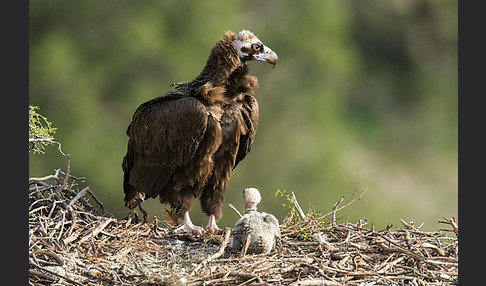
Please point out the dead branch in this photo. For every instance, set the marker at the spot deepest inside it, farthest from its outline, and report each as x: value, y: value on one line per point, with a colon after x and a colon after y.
x: 334, y: 210
x: 42, y: 179
x: 96, y: 230
x: 235, y: 210
x: 244, y: 249
x: 451, y: 222
x: 66, y: 176
x: 226, y: 235
x: 297, y: 207
x: 45, y: 139
x: 79, y: 195
x: 90, y: 192
x: 316, y: 282
x: 32, y: 263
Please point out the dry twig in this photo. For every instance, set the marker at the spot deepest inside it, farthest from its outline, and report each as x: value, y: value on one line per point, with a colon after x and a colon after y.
x: 235, y: 210
x: 334, y: 207
x: 297, y: 207
x: 246, y: 244
x: 226, y: 235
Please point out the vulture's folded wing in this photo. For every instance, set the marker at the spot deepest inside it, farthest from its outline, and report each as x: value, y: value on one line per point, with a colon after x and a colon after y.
x: 164, y: 133
x: 250, y: 115
x: 167, y: 131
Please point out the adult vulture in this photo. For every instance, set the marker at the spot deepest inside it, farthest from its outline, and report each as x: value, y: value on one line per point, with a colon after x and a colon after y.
x: 185, y: 143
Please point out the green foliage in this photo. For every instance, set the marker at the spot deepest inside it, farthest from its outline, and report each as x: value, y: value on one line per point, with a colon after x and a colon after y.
x: 305, y: 226
x: 41, y: 131
x: 287, y: 197
x: 294, y: 225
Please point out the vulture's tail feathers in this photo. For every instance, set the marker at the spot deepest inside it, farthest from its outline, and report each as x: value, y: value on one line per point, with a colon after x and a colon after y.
x: 171, y: 218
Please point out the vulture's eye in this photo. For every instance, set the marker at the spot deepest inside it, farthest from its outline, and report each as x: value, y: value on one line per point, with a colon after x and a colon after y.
x: 257, y: 47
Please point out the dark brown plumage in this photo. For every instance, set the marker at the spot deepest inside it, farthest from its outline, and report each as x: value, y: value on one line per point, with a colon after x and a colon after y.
x: 185, y: 143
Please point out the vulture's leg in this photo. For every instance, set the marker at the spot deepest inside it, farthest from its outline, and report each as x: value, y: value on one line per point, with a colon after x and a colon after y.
x: 212, y: 227
x: 212, y: 200
x: 187, y: 225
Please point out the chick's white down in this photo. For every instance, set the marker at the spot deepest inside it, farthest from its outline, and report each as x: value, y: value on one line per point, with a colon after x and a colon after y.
x: 262, y: 227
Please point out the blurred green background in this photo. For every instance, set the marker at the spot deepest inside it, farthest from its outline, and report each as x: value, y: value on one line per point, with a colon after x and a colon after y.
x: 364, y: 97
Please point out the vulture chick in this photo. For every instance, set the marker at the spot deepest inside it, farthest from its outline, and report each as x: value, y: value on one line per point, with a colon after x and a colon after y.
x: 185, y: 143
x: 262, y: 227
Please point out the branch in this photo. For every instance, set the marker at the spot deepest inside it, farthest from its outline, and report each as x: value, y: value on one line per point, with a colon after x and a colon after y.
x: 41, y: 139
x: 49, y: 177
x: 235, y: 210
x: 297, y: 207
x: 66, y: 177
x: 79, y: 195
x: 47, y: 140
x: 31, y: 262
x: 245, y: 246
x: 334, y: 207
x: 224, y: 243
x: 451, y: 222
x: 96, y: 230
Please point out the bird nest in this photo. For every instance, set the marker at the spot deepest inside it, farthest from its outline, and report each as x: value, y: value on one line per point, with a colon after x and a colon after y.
x: 73, y: 240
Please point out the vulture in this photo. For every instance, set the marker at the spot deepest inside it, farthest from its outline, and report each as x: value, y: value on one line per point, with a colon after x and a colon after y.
x: 185, y: 143
x: 263, y: 228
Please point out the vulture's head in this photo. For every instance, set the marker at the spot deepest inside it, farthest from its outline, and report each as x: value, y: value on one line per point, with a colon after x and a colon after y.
x: 251, y: 48
x: 252, y: 198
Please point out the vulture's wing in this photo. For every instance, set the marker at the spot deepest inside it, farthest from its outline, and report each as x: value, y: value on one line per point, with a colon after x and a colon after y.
x: 250, y: 115
x: 164, y: 133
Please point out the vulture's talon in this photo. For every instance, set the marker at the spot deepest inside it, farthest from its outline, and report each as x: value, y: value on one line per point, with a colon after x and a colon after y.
x: 212, y: 227
x: 214, y: 230
x: 189, y: 228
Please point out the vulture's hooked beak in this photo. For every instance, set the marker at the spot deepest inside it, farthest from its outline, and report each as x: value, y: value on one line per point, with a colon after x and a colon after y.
x: 268, y: 56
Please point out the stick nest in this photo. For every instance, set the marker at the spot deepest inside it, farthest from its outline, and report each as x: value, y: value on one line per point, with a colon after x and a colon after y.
x: 73, y: 240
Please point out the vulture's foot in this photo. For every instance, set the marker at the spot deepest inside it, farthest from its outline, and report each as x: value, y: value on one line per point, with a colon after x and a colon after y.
x: 214, y: 230
x: 188, y: 226
x: 212, y: 227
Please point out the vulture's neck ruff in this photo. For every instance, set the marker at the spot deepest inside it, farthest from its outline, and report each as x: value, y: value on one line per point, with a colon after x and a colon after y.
x: 225, y: 74
x: 222, y: 62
